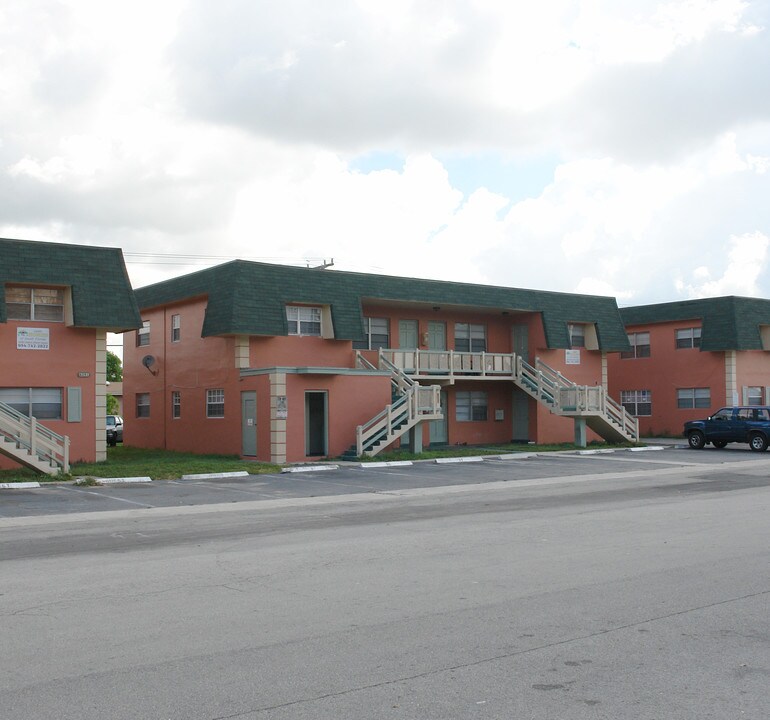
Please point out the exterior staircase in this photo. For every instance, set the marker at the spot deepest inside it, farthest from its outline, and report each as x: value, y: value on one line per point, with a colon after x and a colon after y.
x: 586, y: 403
x: 607, y: 418
x: 412, y: 404
x: 31, y: 444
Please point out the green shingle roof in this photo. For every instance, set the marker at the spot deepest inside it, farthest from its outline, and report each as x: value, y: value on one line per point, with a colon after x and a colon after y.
x: 248, y: 298
x: 728, y: 323
x: 101, y: 292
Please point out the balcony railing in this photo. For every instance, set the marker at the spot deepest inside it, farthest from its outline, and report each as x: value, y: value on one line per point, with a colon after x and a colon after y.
x: 448, y: 363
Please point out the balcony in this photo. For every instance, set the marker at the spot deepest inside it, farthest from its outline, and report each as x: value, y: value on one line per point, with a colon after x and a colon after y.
x: 445, y: 366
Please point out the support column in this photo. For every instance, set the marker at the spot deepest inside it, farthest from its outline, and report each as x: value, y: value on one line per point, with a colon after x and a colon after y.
x: 415, y: 439
x: 100, y: 395
x: 731, y: 378
x: 580, y: 432
x: 277, y: 425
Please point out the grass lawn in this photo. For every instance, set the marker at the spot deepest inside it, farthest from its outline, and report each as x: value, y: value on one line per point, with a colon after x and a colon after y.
x: 157, y: 464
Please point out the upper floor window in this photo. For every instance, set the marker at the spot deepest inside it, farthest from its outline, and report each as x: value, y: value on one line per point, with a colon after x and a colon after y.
x: 637, y: 402
x: 377, y: 334
x: 42, y: 304
x: 640, y: 345
x: 303, y: 320
x: 688, y: 338
x: 577, y: 335
x: 41, y: 403
x: 693, y: 398
x: 143, y: 334
x: 470, y: 338
x: 176, y: 328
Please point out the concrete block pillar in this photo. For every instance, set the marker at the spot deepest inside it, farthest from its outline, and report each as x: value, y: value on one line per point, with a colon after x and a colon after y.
x: 415, y: 439
x: 580, y: 432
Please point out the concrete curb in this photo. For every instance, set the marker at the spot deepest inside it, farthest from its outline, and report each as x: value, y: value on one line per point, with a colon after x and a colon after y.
x: 215, y: 476
x: 122, y: 480
x: 511, y: 456
x: 19, y: 485
x: 386, y: 463
x: 309, y: 468
x: 446, y: 461
x: 595, y: 452
x: 648, y: 448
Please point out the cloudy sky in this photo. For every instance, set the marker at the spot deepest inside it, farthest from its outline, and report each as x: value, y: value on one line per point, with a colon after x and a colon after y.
x: 616, y: 147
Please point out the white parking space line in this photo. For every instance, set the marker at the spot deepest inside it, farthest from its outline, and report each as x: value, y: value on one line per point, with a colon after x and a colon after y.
x: 103, y: 495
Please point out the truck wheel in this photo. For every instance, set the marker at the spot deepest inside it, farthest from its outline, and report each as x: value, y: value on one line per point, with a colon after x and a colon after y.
x: 696, y: 439
x: 758, y: 442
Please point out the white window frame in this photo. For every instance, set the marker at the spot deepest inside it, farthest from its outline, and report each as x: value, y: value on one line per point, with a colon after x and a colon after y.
x: 691, y: 398
x: 35, y: 308
x: 215, y: 403
x: 577, y: 335
x: 634, y: 401
x: 176, y: 327
x: 377, y: 334
x: 470, y: 337
x: 143, y: 334
x: 755, y: 395
x: 636, y: 341
x: 687, y: 338
x: 176, y: 404
x: 301, y: 320
x: 143, y: 405
x: 25, y: 400
x: 471, y: 406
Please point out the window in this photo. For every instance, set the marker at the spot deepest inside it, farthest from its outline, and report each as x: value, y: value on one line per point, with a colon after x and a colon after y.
x: 143, y: 334
x: 41, y: 304
x: 176, y: 328
x: 693, y: 398
x: 755, y: 396
x: 41, y: 403
x: 640, y: 346
x: 143, y: 405
x: 215, y: 403
x: 303, y: 320
x: 470, y: 338
x: 176, y: 404
x: 577, y: 335
x: 470, y: 406
x: 637, y: 402
x: 688, y: 338
x: 377, y: 334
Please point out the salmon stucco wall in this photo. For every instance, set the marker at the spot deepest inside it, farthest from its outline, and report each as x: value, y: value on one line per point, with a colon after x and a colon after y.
x: 752, y: 370
x: 72, y: 352
x: 666, y: 370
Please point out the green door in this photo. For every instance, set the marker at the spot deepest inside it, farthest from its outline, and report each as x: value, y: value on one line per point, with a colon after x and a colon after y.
x: 249, y: 424
x: 407, y: 335
x: 436, y: 336
x: 438, y: 428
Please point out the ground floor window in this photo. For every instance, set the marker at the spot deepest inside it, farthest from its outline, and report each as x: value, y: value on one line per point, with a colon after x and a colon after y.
x: 687, y: 398
x: 755, y: 396
x: 176, y: 404
x: 41, y: 403
x: 637, y: 402
x: 143, y: 405
x: 215, y: 403
x: 470, y: 406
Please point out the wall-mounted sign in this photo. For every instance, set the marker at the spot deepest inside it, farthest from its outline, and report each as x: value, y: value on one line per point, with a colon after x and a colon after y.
x: 32, y: 339
x: 281, y: 407
x: 572, y: 357
x: 84, y: 374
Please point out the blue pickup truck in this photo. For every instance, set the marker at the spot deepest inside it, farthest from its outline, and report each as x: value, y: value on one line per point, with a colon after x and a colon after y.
x: 750, y: 424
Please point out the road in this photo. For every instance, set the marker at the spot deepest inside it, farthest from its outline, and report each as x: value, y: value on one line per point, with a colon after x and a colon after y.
x: 634, y: 587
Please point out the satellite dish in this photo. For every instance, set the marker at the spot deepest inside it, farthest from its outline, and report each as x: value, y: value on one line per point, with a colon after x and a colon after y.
x: 148, y: 361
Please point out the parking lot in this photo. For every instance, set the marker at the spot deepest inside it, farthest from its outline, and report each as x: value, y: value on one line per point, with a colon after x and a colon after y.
x: 58, y: 498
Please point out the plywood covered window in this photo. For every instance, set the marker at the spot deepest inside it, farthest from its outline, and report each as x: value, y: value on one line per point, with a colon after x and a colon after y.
x: 38, y: 304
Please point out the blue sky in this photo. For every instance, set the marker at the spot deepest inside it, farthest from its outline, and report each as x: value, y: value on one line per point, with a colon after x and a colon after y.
x: 617, y: 148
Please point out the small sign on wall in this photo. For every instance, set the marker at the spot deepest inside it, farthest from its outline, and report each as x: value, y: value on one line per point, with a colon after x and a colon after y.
x: 32, y: 339
x: 572, y: 357
x: 281, y: 407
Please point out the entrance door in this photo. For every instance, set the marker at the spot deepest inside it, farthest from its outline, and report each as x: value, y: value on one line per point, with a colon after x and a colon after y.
x: 438, y: 428
x: 520, y: 416
x: 407, y: 334
x: 315, y: 423
x: 249, y: 424
x: 521, y: 341
x: 436, y: 336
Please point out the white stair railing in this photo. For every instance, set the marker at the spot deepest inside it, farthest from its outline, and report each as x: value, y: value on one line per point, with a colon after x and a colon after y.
x: 32, y: 444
